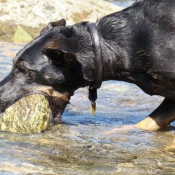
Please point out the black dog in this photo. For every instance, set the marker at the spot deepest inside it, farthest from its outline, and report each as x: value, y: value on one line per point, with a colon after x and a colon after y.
x: 136, y: 45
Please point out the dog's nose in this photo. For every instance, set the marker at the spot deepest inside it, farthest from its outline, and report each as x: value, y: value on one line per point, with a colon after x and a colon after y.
x: 5, y: 88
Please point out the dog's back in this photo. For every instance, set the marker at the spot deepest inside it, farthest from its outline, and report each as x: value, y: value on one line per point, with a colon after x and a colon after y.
x: 143, y: 39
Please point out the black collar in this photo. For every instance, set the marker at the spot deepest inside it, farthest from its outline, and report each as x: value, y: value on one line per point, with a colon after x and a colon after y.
x: 97, y: 61
x: 98, y: 55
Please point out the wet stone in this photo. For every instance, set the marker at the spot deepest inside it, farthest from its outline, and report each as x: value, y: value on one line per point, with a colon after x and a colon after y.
x: 31, y: 114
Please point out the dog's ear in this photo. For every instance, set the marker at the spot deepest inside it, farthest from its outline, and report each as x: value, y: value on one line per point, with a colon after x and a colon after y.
x: 61, y: 22
x: 66, y: 45
x: 50, y: 25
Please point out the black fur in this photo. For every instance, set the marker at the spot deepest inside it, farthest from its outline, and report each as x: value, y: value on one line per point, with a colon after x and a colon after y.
x: 138, y: 46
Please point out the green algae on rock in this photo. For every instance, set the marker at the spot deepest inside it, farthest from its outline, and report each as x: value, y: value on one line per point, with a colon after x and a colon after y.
x: 21, y: 35
x: 31, y: 114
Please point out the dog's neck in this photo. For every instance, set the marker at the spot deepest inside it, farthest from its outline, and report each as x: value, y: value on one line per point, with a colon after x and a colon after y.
x: 116, y: 48
x: 98, y: 59
x: 115, y: 45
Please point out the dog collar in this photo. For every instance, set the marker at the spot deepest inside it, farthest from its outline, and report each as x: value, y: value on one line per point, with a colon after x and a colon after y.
x: 98, y: 64
x: 98, y: 55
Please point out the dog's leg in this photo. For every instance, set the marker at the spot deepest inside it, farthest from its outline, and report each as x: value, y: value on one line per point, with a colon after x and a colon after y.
x: 162, y: 116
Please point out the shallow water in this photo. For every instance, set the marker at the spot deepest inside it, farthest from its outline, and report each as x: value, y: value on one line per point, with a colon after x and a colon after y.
x: 122, y: 3
x: 85, y: 144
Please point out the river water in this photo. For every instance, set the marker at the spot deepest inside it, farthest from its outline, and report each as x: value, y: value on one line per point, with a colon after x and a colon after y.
x: 122, y: 3
x: 85, y: 144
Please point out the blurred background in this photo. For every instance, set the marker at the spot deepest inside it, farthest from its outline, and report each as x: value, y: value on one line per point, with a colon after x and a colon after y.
x: 21, y: 20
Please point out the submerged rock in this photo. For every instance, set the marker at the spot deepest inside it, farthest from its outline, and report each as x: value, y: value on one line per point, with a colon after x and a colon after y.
x: 30, y: 114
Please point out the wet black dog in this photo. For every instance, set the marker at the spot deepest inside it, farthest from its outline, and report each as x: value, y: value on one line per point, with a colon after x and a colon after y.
x: 138, y: 46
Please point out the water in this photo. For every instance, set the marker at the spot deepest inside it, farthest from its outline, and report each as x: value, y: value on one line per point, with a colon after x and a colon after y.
x: 85, y: 144
x: 122, y: 3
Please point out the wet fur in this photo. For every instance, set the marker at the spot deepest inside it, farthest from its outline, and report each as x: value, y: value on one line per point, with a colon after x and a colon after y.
x: 138, y: 46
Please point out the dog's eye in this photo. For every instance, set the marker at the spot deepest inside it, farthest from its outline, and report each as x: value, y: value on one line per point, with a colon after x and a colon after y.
x: 23, y: 64
x: 22, y: 67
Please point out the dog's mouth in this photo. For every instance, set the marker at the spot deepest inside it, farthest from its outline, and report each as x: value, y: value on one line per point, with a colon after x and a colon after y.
x: 57, y: 101
x: 57, y: 107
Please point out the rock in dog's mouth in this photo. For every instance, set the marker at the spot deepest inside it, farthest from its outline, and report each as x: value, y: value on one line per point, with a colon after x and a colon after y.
x: 57, y: 101
x: 30, y: 114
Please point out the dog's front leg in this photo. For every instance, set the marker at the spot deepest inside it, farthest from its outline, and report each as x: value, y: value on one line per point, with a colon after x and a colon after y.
x: 160, y: 117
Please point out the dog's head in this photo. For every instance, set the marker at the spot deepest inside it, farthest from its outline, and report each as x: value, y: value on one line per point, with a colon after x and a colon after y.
x: 54, y: 64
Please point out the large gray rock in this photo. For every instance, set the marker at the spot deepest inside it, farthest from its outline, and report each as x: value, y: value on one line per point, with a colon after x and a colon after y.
x: 32, y: 15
